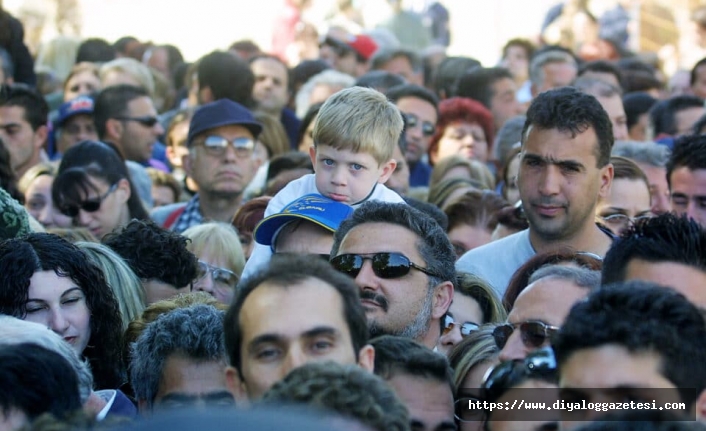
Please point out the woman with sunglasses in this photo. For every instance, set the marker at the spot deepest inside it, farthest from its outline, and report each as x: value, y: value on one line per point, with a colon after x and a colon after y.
x: 221, y: 259
x: 94, y: 188
x: 475, y: 303
x: 470, y: 360
x: 50, y: 281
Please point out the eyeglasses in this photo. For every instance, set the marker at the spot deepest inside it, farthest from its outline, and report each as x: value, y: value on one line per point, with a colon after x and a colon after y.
x: 428, y: 128
x: 147, y: 121
x: 506, y: 375
x: 620, y: 222
x: 216, y: 146
x: 466, y: 409
x: 89, y: 205
x: 466, y: 327
x: 224, y: 280
x: 385, y: 265
x: 533, y: 333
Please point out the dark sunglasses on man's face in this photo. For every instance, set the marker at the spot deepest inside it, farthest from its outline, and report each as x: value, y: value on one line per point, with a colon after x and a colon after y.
x: 147, y: 121
x: 428, y: 128
x: 89, y: 205
x: 385, y: 265
x: 534, y: 334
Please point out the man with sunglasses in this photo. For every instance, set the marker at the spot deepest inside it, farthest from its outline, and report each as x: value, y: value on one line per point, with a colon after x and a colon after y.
x: 402, y: 261
x: 294, y: 311
x: 125, y: 115
x: 221, y: 162
x: 420, y: 108
x: 542, y: 307
x: 633, y: 341
x: 564, y: 170
x: 158, y: 257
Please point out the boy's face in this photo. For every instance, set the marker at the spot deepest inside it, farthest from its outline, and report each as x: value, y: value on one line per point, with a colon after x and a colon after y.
x: 345, y: 176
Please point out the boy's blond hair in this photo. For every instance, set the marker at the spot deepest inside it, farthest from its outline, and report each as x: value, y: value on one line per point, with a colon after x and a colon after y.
x: 361, y: 120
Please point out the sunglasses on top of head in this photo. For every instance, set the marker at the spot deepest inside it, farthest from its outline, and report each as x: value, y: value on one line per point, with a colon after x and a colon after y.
x: 385, y: 265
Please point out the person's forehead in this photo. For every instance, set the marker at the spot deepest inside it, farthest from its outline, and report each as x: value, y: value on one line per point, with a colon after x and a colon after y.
x: 267, y: 65
x: 428, y: 399
x: 365, y: 238
x: 548, y: 300
x: 416, y: 105
x: 560, y: 145
x: 228, y: 131
x: 78, y: 118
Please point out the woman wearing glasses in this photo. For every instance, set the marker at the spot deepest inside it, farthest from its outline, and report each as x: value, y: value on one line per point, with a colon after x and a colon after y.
x: 94, y: 188
x: 48, y: 280
x: 475, y: 303
x: 221, y: 259
x: 465, y: 128
x: 629, y: 198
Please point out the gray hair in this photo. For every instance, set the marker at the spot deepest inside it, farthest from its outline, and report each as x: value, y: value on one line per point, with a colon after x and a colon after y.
x: 16, y: 331
x: 195, y: 331
x: 581, y: 277
x: 540, y: 60
x: 433, y: 244
x: 332, y: 78
x: 596, y: 87
x: 649, y: 153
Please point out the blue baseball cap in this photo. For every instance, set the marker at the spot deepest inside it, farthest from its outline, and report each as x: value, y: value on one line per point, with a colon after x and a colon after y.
x: 315, y: 208
x: 222, y: 112
x: 77, y: 106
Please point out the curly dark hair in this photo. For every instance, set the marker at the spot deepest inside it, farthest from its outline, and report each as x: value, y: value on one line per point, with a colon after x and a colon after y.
x: 154, y: 253
x: 21, y: 257
x: 641, y: 317
x: 569, y: 110
x: 348, y: 390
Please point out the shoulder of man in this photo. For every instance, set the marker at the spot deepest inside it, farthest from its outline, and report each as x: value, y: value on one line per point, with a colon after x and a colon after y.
x: 162, y: 214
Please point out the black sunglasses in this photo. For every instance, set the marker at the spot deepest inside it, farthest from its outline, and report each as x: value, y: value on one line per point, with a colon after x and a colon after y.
x: 428, y: 128
x: 506, y: 375
x: 533, y: 333
x: 90, y: 205
x: 147, y: 121
x: 385, y: 265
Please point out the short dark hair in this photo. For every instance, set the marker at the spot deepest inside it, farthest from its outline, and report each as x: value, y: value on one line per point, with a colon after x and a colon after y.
x: 521, y: 43
x: 288, y: 161
x: 433, y: 244
x: 380, y: 80
x: 195, y: 332
x: 602, y: 66
x: 666, y: 238
x: 477, y: 83
x: 690, y: 152
x: 410, y: 90
x: 636, y: 80
x: 448, y: 72
x: 287, y: 270
x: 154, y: 253
x: 36, y: 110
x: 348, y: 390
x: 637, y: 104
x: 431, y: 210
x: 36, y: 380
x: 399, y: 355
x: 95, y: 50
x: 569, y: 110
x: 383, y: 56
x: 641, y: 317
x: 228, y: 77
x: 695, y: 69
x: 112, y: 102
x: 663, y: 113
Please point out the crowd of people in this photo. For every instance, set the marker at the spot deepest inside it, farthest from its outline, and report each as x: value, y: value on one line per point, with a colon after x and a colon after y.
x: 383, y: 237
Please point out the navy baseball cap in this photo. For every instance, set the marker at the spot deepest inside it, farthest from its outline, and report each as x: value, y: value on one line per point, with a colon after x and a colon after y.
x: 222, y: 112
x: 315, y: 208
x: 77, y: 106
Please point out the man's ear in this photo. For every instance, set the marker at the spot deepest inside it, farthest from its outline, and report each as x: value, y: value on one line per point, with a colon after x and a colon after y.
x: 606, y: 180
x: 366, y: 358
x: 205, y: 95
x: 386, y: 170
x: 187, y: 163
x: 113, y: 129
x: 41, y: 136
x: 443, y: 296
x: 123, y: 191
x: 236, y: 386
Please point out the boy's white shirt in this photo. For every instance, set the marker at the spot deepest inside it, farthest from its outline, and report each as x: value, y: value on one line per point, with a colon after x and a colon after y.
x: 305, y: 185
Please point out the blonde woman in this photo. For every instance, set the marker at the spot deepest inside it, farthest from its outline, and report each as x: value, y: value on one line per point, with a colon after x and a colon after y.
x: 221, y: 259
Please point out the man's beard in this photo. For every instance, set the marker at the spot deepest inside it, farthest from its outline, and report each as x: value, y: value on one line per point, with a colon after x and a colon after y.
x: 415, y: 330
